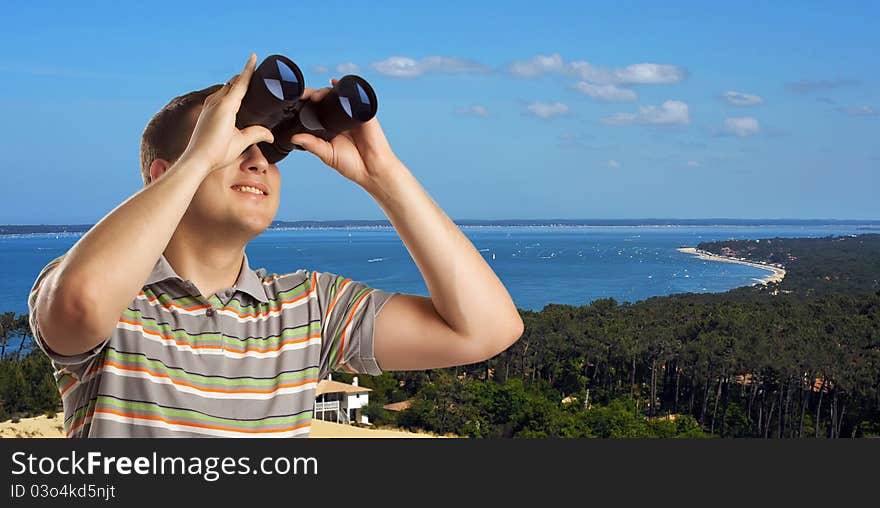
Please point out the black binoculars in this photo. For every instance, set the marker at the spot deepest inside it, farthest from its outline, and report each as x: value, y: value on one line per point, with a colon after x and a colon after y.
x: 273, y: 101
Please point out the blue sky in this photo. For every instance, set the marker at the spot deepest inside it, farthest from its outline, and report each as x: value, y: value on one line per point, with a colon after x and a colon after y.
x: 501, y: 109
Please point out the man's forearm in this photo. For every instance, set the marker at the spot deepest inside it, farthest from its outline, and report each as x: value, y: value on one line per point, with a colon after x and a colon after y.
x: 464, y: 289
x: 109, y: 264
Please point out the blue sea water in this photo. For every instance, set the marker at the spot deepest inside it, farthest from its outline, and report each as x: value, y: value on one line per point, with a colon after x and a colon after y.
x: 538, y: 265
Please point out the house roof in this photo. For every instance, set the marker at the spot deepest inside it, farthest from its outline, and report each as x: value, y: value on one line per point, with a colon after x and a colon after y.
x: 326, y: 386
x: 398, y: 406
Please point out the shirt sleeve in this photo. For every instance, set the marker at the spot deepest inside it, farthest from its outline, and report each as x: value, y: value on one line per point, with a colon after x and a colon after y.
x: 81, y: 359
x: 348, y: 311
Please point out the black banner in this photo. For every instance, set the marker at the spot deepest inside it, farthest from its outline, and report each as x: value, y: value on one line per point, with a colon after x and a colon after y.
x: 44, y: 472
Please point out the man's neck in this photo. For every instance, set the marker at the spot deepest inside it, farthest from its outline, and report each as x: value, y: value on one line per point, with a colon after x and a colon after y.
x: 209, y: 265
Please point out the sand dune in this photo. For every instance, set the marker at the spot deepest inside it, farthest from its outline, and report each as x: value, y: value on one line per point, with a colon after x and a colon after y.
x: 40, y: 426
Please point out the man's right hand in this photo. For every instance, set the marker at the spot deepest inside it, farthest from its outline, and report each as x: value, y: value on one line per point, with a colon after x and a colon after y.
x: 216, y: 141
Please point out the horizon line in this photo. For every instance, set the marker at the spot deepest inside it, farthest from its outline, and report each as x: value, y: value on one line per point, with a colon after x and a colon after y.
x: 594, y: 219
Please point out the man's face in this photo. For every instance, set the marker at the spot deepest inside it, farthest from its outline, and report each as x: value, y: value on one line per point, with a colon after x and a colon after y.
x: 227, y: 201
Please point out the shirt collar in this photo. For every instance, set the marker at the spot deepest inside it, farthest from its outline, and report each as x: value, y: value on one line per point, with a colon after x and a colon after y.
x: 248, y: 280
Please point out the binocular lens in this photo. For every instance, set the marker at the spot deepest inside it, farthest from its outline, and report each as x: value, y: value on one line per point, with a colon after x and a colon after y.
x: 357, y: 98
x: 281, y: 80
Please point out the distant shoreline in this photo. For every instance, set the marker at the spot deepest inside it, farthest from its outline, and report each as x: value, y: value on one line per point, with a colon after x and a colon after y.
x: 869, y: 225
x: 776, y: 275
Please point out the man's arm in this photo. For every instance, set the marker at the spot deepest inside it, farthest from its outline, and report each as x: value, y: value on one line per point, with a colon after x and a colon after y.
x: 81, y: 300
x: 469, y: 317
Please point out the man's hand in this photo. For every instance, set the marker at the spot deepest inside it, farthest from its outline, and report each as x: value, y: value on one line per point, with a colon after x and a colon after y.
x: 360, y: 154
x: 215, y: 140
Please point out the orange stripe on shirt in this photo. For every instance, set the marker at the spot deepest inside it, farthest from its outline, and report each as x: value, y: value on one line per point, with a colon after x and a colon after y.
x: 336, y: 296
x: 269, y: 311
x: 171, y: 304
x: 347, y: 321
x: 68, y: 387
x: 87, y: 417
x: 199, y: 425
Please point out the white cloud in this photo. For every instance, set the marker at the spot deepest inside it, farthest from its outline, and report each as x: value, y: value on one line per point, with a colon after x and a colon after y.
x: 347, y: 68
x: 606, y: 93
x: 321, y: 69
x: 650, y: 73
x: 398, y: 67
x: 613, y: 164
x: 547, y: 109
x: 741, y: 99
x: 452, y: 65
x: 857, y: 110
x: 538, y: 66
x: 668, y: 113
x: 475, y: 110
x: 640, y: 73
x: 693, y: 164
x: 405, y: 67
x: 742, y: 127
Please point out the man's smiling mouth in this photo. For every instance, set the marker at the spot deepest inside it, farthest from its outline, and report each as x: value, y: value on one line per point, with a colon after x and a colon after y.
x: 254, y: 189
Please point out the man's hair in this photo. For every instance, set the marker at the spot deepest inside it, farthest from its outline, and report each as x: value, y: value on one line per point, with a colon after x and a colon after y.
x: 167, y: 133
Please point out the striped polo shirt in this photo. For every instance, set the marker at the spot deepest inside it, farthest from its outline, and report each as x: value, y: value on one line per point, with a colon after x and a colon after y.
x: 243, y: 362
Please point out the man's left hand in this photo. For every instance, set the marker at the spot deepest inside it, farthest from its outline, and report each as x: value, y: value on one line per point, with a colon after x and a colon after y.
x: 361, y: 154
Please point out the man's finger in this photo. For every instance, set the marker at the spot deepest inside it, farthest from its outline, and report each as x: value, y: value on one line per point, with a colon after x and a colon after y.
x: 320, y: 94
x: 307, y: 92
x: 217, y: 93
x: 224, y: 90
x: 256, y: 134
x: 241, y: 83
x: 315, y: 145
x: 217, y: 96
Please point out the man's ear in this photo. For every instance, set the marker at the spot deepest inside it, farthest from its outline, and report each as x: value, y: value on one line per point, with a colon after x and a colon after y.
x: 158, y: 168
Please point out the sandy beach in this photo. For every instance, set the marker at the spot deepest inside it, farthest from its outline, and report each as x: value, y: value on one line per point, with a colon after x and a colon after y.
x: 43, y: 426
x: 776, y: 273
x: 40, y: 426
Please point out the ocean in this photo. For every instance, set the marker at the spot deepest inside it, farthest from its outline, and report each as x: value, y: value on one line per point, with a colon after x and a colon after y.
x: 538, y: 264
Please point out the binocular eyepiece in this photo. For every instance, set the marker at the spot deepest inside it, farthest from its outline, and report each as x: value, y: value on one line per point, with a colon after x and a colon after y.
x: 273, y: 101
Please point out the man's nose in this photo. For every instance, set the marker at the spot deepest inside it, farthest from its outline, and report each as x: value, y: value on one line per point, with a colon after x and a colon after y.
x: 254, y: 160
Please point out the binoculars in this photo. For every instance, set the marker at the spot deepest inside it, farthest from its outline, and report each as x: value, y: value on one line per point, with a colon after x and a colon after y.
x: 273, y: 101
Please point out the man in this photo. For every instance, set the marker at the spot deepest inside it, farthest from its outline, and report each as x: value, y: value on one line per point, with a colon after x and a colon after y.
x: 157, y: 326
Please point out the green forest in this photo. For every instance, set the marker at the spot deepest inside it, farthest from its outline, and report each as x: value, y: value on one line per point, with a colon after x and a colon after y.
x: 794, y: 359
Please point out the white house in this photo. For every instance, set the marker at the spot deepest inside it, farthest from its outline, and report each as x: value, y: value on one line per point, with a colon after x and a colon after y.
x: 340, y: 402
